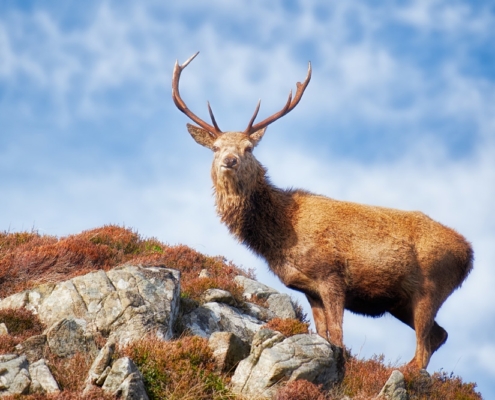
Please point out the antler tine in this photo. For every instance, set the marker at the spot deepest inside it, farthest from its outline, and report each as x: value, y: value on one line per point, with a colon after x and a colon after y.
x: 288, y: 107
x: 248, y: 129
x: 213, y: 117
x: 214, y: 130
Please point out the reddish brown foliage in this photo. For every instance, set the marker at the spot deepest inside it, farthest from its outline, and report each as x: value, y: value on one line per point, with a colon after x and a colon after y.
x: 70, y: 373
x: 287, y: 327
x: 29, y: 259
x: 181, y: 369
x: 365, y: 378
x: 300, y: 390
x: 21, y: 324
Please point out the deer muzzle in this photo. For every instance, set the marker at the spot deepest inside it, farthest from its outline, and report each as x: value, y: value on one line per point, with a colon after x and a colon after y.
x: 230, y: 162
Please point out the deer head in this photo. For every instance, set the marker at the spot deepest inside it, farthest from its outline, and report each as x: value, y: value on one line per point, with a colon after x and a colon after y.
x: 233, y: 150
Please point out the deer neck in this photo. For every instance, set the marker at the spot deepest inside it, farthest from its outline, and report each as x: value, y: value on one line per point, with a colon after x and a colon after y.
x: 256, y: 212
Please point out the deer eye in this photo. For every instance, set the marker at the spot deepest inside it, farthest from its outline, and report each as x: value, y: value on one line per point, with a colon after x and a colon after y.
x: 215, y: 148
x: 249, y: 149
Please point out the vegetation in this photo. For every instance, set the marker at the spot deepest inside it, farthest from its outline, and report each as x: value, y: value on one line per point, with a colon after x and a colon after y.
x: 21, y: 324
x: 287, y: 327
x: 365, y: 378
x: 28, y: 259
x: 183, y: 368
x: 178, y: 370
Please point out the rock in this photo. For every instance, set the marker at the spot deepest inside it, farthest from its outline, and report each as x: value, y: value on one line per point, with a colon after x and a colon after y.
x: 132, y: 388
x: 218, y: 296
x: 21, y: 383
x: 100, y: 368
x: 394, y: 388
x: 258, y: 312
x: 14, y: 375
x: 228, y: 349
x: 274, y: 359
x: 3, y: 329
x: 101, y: 379
x: 252, y: 287
x: 126, y: 302
x: 42, y: 379
x: 281, y: 305
x: 124, y: 379
x: 204, y: 274
x: 219, y: 317
x: 33, y: 347
x: 423, y: 382
x: 70, y: 336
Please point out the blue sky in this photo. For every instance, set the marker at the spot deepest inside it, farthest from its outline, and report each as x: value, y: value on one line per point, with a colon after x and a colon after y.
x: 400, y: 112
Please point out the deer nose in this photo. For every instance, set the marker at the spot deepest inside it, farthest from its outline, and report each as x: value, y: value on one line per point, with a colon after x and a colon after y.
x: 230, y: 161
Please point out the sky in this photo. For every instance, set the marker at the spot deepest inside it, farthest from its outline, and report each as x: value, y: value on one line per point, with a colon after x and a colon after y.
x: 400, y: 112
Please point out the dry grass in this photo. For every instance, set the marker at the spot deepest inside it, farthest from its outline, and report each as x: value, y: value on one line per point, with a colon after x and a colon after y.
x: 28, y: 259
x: 365, y: 378
x: 180, y: 369
x: 70, y: 372
x: 300, y: 390
x: 287, y: 327
x: 21, y: 324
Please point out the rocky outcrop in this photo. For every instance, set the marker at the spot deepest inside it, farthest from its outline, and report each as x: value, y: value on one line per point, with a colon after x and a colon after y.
x: 70, y: 336
x: 125, y: 303
x: 275, y: 359
x: 129, y: 302
x: 14, y: 374
x: 220, y: 317
x: 120, y: 378
x: 228, y: 350
x: 394, y: 388
x: 125, y: 381
x: 279, y: 304
x: 42, y: 380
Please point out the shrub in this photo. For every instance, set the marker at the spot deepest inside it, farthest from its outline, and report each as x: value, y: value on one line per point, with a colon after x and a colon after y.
x: 365, y: 378
x: 300, y: 390
x: 180, y: 369
x: 287, y: 327
x: 21, y: 324
x: 28, y: 259
x: 441, y: 386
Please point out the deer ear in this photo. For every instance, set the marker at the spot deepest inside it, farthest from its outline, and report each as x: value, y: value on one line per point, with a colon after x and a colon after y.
x: 201, y: 136
x: 256, y: 136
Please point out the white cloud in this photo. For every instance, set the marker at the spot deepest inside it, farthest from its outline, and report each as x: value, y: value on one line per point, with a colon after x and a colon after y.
x: 120, y: 61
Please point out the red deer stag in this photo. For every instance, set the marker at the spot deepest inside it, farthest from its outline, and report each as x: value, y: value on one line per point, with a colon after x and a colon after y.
x: 341, y: 255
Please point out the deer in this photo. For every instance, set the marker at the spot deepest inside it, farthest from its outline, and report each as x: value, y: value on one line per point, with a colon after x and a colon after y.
x: 341, y: 255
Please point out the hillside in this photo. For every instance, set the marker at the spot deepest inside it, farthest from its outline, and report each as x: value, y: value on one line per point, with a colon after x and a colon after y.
x: 183, y: 366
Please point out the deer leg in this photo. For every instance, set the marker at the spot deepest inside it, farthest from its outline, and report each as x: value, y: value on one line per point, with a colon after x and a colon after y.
x: 333, y: 303
x: 318, y: 315
x: 437, y: 335
x: 424, y: 325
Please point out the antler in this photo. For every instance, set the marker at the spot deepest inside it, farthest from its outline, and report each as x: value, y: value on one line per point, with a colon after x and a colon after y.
x: 289, y: 106
x: 214, y: 130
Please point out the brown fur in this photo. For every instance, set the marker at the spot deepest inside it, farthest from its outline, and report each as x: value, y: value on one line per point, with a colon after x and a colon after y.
x: 341, y: 255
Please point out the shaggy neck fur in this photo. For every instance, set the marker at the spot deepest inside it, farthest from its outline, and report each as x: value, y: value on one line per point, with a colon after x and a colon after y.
x: 254, y: 210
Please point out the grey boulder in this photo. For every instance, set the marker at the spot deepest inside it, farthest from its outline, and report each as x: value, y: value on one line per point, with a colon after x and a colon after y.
x: 275, y: 359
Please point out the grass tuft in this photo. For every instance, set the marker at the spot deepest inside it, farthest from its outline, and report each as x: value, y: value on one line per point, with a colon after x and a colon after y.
x: 180, y: 369
x: 300, y: 390
x: 365, y: 378
x: 21, y: 324
x: 287, y: 327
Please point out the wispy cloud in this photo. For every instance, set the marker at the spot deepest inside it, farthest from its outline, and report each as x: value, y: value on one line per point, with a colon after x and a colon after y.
x: 400, y: 113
